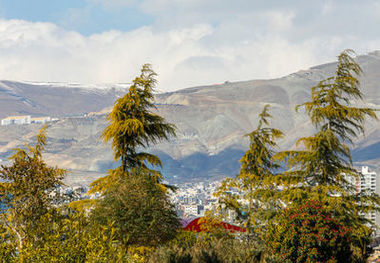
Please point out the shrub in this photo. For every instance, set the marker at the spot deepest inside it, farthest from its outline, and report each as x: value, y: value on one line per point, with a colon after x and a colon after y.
x: 140, y: 209
x: 308, y: 233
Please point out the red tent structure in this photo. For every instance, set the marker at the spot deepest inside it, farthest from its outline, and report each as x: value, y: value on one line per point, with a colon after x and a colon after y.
x: 199, y: 225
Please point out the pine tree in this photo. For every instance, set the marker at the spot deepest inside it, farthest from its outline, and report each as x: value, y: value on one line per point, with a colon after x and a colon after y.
x: 256, y: 180
x: 133, y: 125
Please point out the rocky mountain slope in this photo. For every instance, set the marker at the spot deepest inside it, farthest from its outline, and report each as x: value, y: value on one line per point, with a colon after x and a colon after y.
x: 53, y: 99
x: 211, y: 122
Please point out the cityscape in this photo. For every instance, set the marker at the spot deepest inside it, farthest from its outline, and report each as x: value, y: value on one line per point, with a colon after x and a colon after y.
x: 217, y: 131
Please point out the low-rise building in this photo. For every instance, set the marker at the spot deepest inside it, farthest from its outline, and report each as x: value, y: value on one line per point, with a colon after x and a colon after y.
x: 191, y: 209
x: 16, y: 120
x: 27, y: 119
x: 40, y: 120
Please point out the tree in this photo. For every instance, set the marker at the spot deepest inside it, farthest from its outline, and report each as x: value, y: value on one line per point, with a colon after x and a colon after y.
x: 308, y: 233
x: 27, y: 192
x: 35, y: 225
x: 321, y: 171
x: 73, y: 238
x: 140, y: 210
x: 133, y: 198
x: 132, y: 126
x: 256, y: 180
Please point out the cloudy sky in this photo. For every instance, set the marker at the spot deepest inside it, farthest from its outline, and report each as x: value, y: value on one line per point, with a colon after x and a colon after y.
x: 189, y: 42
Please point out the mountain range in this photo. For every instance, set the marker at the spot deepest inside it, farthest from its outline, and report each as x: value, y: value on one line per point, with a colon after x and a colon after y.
x: 211, y: 122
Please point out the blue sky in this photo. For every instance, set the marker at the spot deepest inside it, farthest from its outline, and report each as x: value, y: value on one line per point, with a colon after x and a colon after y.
x: 85, y: 17
x: 189, y: 42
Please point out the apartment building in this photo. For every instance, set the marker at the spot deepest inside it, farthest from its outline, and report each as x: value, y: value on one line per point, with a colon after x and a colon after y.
x: 367, y: 182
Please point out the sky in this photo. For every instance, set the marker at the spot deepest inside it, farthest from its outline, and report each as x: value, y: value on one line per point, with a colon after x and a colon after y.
x: 188, y: 42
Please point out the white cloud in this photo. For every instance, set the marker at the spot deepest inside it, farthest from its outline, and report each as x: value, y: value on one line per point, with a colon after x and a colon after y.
x: 43, y: 51
x: 328, y: 7
x: 189, y: 43
x: 279, y: 21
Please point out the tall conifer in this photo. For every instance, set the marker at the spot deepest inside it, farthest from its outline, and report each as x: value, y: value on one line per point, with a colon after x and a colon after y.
x: 322, y: 170
x: 133, y: 125
x: 256, y: 181
x: 134, y: 200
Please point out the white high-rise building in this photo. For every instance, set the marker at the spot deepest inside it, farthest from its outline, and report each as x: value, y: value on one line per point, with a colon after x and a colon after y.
x: 368, y: 181
x: 365, y: 183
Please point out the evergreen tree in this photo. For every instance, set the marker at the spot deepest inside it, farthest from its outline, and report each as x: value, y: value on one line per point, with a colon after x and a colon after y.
x: 134, y: 125
x: 256, y: 180
x: 35, y: 225
x: 322, y: 170
x: 133, y: 198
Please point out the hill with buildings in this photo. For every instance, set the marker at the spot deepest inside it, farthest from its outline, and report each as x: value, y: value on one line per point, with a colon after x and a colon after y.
x: 211, y: 122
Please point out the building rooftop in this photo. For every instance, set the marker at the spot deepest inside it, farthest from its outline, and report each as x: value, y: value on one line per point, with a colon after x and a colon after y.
x: 17, y: 117
x: 39, y: 118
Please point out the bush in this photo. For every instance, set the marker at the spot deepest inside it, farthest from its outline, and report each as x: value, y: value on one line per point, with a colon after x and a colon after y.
x: 308, y: 233
x: 209, y: 247
x: 140, y: 210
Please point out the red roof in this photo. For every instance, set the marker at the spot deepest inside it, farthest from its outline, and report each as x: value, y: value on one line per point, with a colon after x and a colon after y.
x: 197, y: 223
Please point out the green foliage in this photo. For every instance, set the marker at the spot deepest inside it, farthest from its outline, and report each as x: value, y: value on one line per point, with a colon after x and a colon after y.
x: 134, y: 220
x: 28, y: 185
x: 140, y: 210
x: 208, y: 247
x: 325, y: 164
x: 70, y: 238
x: 27, y: 191
x: 330, y: 107
x: 322, y: 170
x: 8, y: 245
x: 308, y: 233
x: 134, y: 125
x: 73, y: 238
x: 35, y: 227
x: 256, y: 180
x: 133, y: 200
